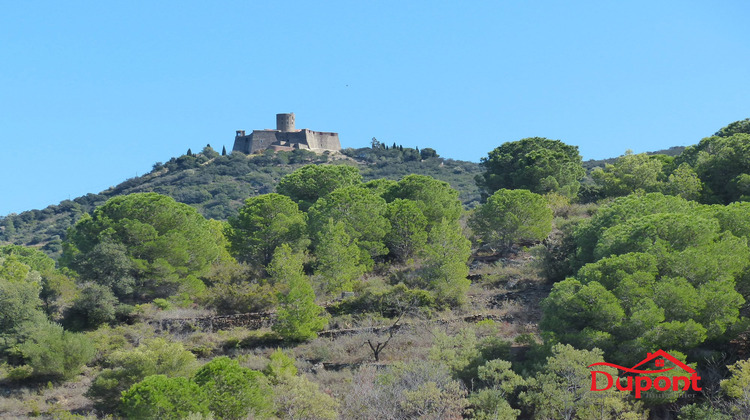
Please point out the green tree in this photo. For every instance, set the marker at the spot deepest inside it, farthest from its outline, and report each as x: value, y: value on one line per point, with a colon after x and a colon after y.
x: 338, y: 258
x: 492, y: 402
x: 446, y: 254
x: 664, y: 276
x: 52, y: 351
x: 684, y: 182
x: 309, y: 183
x: 583, y: 315
x: 95, y: 305
x: 436, y: 199
x: 701, y: 412
x: 737, y: 388
x: 361, y: 211
x: 234, y: 392
x: 723, y: 165
x: 19, y: 299
x: 511, y: 216
x: 155, y: 243
x: 209, y: 152
x: 661, y: 231
x: 381, y: 186
x: 427, y: 153
x: 35, y: 259
x: 264, y: 223
x: 408, y: 235
x: 106, y: 263
x: 298, y: 317
x: 160, y: 397
x: 630, y: 173
x: 561, y: 390
x: 742, y: 126
x: 537, y: 164
x: 619, y: 211
x: 127, y: 367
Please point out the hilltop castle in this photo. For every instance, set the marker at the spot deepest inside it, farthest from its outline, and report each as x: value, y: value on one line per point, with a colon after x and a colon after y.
x: 285, y: 137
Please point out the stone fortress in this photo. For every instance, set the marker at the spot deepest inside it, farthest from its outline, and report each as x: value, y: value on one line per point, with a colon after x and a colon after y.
x: 285, y: 137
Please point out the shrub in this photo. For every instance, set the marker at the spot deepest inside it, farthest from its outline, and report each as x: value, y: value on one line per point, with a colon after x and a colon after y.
x: 127, y: 367
x: 280, y: 366
x: 95, y: 305
x: 234, y: 391
x: 511, y: 216
x: 20, y: 373
x: 160, y: 397
x: 52, y: 351
x: 299, y: 398
x: 162, y: 304
x: 298, y: 317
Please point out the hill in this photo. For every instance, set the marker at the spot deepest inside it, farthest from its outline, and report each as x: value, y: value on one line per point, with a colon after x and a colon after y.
x: 218, y: 185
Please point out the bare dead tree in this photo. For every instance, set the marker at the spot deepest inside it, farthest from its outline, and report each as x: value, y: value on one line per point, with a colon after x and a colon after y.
x: 378, y: 346
x: 402, y: 306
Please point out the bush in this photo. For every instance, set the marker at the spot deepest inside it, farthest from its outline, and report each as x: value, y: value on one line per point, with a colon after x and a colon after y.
x: 162, y: 304
x: 389, y: 301
x: 95, y: 305
x: 127, y: 367
x: 20, y: 373
x: 240, y: 297
x: 234, y: 391
x: 296, y: 397
x: 160, y: 397
x: 52, y: 351
x: 511, y: 216
x: 298, y: 317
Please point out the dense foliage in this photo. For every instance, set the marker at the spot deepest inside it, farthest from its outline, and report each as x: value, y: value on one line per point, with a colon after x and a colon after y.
x: 537, y: 164
x: 155, y: 311
x: 662, y: 273
x: 218, y: 186
x: 512, y: 216
x: 143, y: 246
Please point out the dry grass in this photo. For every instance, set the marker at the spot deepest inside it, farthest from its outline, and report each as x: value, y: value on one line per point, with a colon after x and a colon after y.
x: 50, y: 401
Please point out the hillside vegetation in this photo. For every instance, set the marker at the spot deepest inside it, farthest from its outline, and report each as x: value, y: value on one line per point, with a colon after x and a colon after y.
x: 217, y: 185
x: 341, y: 294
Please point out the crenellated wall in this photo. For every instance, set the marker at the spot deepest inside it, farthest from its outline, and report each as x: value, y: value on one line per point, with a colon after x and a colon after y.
x: 285, y: 138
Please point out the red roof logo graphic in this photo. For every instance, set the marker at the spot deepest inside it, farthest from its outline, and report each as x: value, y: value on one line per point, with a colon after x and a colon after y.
x: 657, y: 363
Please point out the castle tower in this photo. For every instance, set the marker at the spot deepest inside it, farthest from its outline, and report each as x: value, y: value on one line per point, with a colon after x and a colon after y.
x: 285, y: 122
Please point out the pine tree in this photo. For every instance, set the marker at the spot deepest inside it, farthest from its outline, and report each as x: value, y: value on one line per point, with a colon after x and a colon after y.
x: 298, y: 317
x: 338, y: 258
x: 223, y: 150
x: 447, y: 251
x: 189, y: 152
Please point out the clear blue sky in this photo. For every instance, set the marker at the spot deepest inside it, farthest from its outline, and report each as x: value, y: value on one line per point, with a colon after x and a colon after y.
x: 92, y: 93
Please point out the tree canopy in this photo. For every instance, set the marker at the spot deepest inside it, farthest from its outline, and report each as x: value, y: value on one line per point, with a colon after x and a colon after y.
x: 537, y: 164
x: 511, y: 216
x: 311, y: 182
x: 722, y: 162
x: 264, y: 223
x: 144, y: 239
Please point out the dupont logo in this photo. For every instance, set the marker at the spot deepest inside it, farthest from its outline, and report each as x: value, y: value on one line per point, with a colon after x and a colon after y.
x: 639, y: 383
